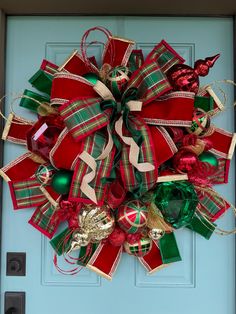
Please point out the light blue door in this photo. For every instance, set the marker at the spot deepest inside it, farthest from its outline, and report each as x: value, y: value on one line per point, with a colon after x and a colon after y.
x: 204, y: 281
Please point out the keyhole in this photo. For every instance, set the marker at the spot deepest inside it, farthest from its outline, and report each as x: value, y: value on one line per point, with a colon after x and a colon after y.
x: 11, y: 310
x: 15, y: 265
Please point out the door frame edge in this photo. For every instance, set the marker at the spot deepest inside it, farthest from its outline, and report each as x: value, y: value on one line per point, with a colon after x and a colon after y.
x: 2, y: 93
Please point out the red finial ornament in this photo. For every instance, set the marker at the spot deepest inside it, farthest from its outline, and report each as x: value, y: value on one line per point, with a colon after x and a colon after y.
x: 184, y: 78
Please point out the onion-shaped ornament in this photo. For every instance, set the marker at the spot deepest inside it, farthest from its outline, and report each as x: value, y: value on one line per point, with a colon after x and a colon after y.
x: 177, y: 202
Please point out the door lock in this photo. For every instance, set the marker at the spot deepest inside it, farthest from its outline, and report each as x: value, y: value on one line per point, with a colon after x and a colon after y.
x: 16, y: 264
x: 11, y: 310
x: 14, y: 303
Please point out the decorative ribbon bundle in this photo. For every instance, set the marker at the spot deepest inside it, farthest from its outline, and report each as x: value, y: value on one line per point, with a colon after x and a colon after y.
x: 125, y: 153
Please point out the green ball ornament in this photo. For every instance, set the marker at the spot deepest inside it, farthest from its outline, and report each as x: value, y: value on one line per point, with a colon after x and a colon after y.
x: 177, y: 202
x: 209, y: 158
x: 61, y: 181
x: 91, y: 77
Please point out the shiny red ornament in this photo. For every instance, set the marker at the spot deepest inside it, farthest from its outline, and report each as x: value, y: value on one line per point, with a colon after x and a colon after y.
x: 184, y: 78
x: 117, y: 237
x: 184, y: 161
x: 43, y: 135
x: 208, y: 143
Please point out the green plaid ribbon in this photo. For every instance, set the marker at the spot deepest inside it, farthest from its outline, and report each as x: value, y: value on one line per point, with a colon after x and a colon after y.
x: 136, y: 60
x: 221, y: 174
x: 83, y: 117
x: 93, y: 145
x: 150, y: 81
x: 27, y: 193
x: 212, y: 204
x: 43, y: 219
x: 138, y: 182
x: 165, y: 56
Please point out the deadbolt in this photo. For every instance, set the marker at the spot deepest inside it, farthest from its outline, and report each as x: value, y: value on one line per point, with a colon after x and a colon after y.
x: 16, y: 264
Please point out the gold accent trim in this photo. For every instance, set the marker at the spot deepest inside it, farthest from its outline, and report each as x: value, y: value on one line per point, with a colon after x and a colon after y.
x: 99, y: 272
x: 232, y: 147
x: 45, y: 109
x: 123, y: 39
x: 215, y: 97
x: 37, y: 158
x: 175, y: 177
x: 156, y: 220
x: 158, y: 268
x: 7, y: 126
x: 48, y: 196
x: 67, y: 60
x: 4, y: 176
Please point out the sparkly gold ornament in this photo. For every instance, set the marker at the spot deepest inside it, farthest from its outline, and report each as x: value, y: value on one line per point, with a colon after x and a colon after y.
x: 95, y: 224
x: 156, y: 234
x: 79, y: 240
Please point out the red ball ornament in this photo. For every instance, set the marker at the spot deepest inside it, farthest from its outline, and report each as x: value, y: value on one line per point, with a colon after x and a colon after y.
x: 184, y: 78
x: 132, y: 216
x: 117, y: 80
x: 138, y: 248
x: 184, y: 161
x: 117, y: 237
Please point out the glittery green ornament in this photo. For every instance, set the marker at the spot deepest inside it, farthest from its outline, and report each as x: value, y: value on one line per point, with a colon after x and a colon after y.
x: 91, y: 77
x: 209, y: 157
x: 177, y: 201
x: 61, y: 182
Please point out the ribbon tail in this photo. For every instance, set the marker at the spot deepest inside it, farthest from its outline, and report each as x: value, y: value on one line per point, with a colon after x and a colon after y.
x: 85, y: 187
x: 103, y: 91
x: 26, y: 193
x: 152, y: 261
x: 106, y: 151
x: 43, y: 220
x: 105, y: 260
x: 134, y: 149
x: 91, y: 162
x: 212, y: 204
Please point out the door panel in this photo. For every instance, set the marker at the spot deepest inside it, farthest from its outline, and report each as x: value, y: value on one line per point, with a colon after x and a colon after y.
x: 204, y: 281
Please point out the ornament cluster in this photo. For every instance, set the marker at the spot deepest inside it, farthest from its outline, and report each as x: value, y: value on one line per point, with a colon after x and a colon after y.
x: 125, y: 154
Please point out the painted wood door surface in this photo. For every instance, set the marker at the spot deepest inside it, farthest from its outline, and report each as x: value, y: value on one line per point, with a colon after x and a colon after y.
x: 204, y: 281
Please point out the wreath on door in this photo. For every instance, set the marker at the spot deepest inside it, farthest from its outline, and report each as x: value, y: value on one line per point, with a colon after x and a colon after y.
x: 124, y: 152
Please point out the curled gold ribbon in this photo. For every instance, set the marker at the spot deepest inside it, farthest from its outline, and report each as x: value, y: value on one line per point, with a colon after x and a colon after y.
x: 133, y: 105
x: 91, y: 162
x: 134, y: 149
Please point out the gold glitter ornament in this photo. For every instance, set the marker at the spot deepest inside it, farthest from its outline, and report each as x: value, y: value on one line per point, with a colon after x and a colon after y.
x: 156, y: 234
x: 95, y: 224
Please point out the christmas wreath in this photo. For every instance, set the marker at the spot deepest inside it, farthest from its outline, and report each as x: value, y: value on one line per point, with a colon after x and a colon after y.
x: 124, y: 152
